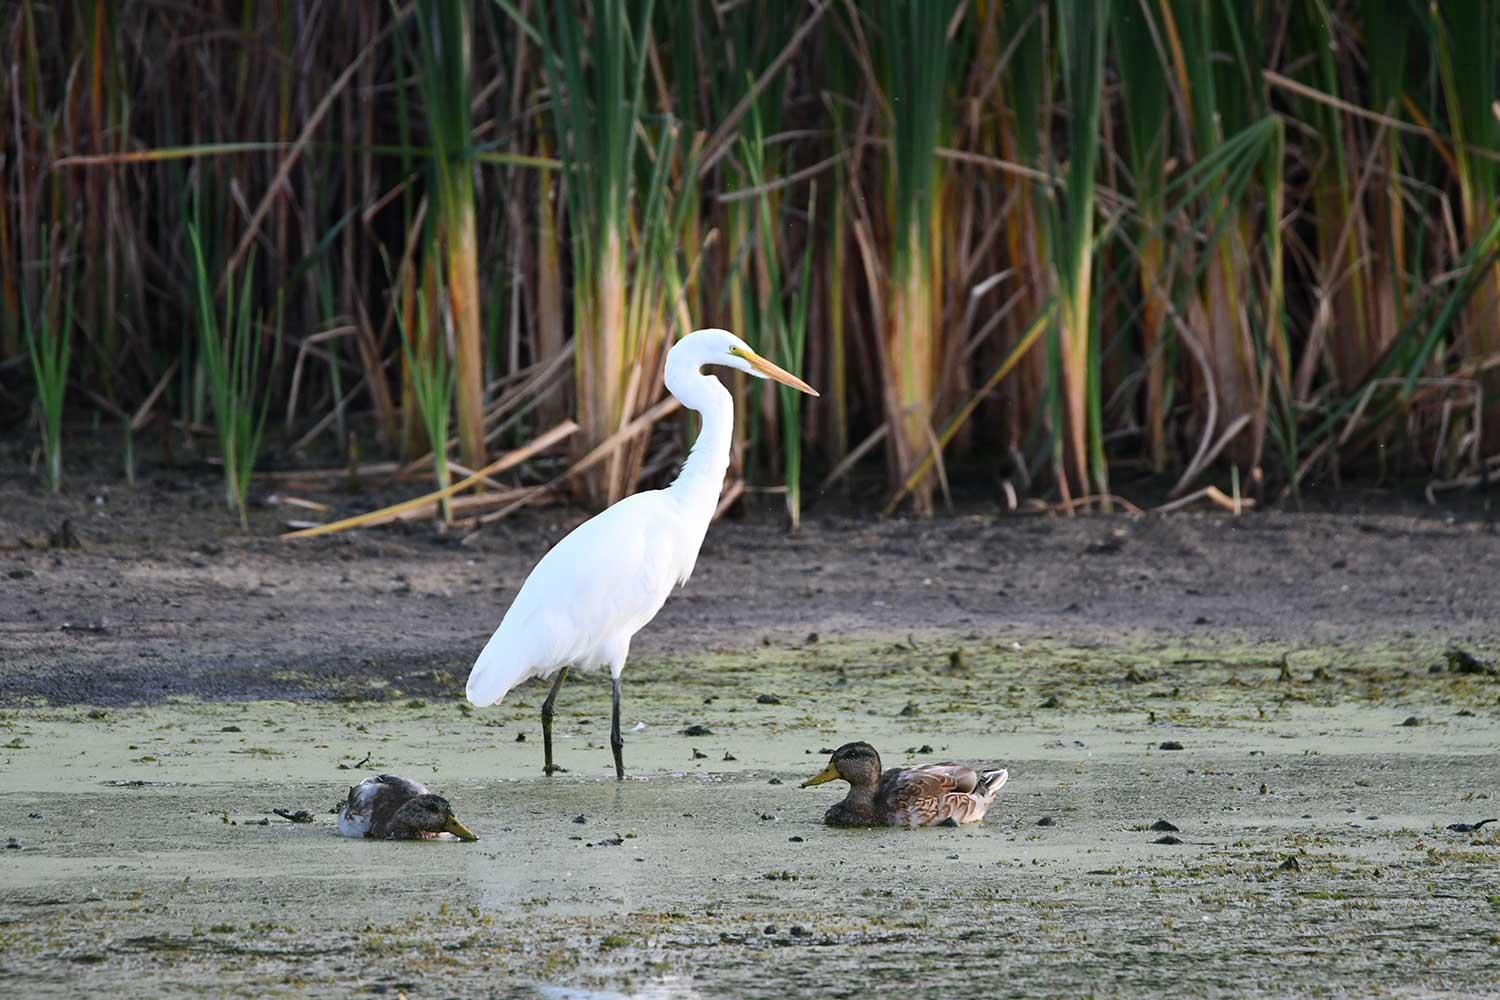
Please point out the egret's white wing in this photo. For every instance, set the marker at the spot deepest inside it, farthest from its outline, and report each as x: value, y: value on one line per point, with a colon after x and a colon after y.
x: 592, y: 591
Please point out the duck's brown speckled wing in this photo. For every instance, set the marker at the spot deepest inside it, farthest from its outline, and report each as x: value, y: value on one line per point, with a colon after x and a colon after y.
x: 391, y: 794
x: 935, y: 793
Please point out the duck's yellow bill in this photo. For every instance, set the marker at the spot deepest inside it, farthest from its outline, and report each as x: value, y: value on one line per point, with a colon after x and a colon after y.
x: 459, y: 830
x: 828, y: 773
x: 775, y: 373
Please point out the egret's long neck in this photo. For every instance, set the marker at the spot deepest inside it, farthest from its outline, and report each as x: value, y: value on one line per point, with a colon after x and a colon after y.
x: 702, y: 475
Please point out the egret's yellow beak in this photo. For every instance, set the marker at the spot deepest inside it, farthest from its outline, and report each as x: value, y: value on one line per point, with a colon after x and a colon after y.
x: 773, y: 372
x: 829, y: 773
x: 459, y: 830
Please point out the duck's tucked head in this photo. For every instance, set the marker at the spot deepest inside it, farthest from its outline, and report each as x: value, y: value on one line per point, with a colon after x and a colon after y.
x: 427, y: 815
x: 856, y: 763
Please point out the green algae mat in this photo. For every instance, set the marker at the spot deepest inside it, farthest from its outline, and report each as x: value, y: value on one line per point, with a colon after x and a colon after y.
x: 1310, y: 794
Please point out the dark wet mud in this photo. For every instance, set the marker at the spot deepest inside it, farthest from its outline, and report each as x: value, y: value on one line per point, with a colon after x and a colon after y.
x: 164, y: 598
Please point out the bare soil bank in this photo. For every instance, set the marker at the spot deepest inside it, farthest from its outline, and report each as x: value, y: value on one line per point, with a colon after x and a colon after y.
x: 165, y: 597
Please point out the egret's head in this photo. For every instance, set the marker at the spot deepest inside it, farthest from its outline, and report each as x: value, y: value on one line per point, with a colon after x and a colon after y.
x: 856, y: 763
x: 720, y: 347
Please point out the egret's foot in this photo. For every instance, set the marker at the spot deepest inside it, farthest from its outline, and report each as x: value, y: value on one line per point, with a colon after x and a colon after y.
x: 550, y: 769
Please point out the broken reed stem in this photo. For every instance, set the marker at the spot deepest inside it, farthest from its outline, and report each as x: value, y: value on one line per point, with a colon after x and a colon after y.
x: 558, y: 433
x: 605, y: 450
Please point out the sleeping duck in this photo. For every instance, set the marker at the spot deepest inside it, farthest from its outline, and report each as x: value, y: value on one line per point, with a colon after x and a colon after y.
x: 387, y: 807
x: 924, y: 795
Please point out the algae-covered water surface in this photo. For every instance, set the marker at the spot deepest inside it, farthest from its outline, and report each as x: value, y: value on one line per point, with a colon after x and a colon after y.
x: 1310, y: 792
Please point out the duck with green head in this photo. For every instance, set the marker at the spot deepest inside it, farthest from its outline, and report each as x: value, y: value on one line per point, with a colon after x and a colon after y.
x: 389, y: 807
x: 922, y: 795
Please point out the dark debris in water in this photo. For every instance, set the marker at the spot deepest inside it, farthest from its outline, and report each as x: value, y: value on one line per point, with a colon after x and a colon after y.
x: 135, y: 783
x: 614, y: 841
x: 1162, y: 826
x: 1169, y: 745
x: 697, y: 729
x: 1052, y: 702
x: 1046, y: 821
x: 699, y: 754
x: 775, y: 781
x: 96, y: 627
x: 1467, y: 827
x: 767, y: 699
x: 1290, y: 864
x: 1167, y: 839
x: 1412, y: 720
x: 299, y: 816
x: 1463, y: 662
x: 580, y: 819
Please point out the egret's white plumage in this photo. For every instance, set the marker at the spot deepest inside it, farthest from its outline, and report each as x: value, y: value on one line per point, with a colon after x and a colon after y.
x: 610, y: 576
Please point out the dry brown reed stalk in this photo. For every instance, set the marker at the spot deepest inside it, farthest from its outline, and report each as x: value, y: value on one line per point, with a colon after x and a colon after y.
x: 606, y: 449
x: 429, y: 501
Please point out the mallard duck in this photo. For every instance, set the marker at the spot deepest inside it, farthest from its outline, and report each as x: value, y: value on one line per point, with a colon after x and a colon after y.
x: 388, y: 807
x: 924, y: 795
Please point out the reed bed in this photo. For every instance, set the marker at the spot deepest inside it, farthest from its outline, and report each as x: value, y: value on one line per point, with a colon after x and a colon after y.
x: 1030, y: 249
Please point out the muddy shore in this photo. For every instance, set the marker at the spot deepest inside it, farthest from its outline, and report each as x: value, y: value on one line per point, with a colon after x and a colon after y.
x: 166, y: 686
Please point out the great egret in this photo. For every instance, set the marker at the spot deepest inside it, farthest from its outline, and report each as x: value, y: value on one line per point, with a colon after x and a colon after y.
x: 610, y: 576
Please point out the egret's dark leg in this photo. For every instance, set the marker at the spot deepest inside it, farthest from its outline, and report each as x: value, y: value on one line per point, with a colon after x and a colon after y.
x: 550, y: 768
x: 616, y: 741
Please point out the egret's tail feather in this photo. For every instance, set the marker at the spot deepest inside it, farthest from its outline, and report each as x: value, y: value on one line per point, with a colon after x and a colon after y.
x: 495, y: 672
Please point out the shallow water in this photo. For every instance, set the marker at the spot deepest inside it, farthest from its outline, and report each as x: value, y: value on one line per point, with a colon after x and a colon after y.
x: 148, y: 868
